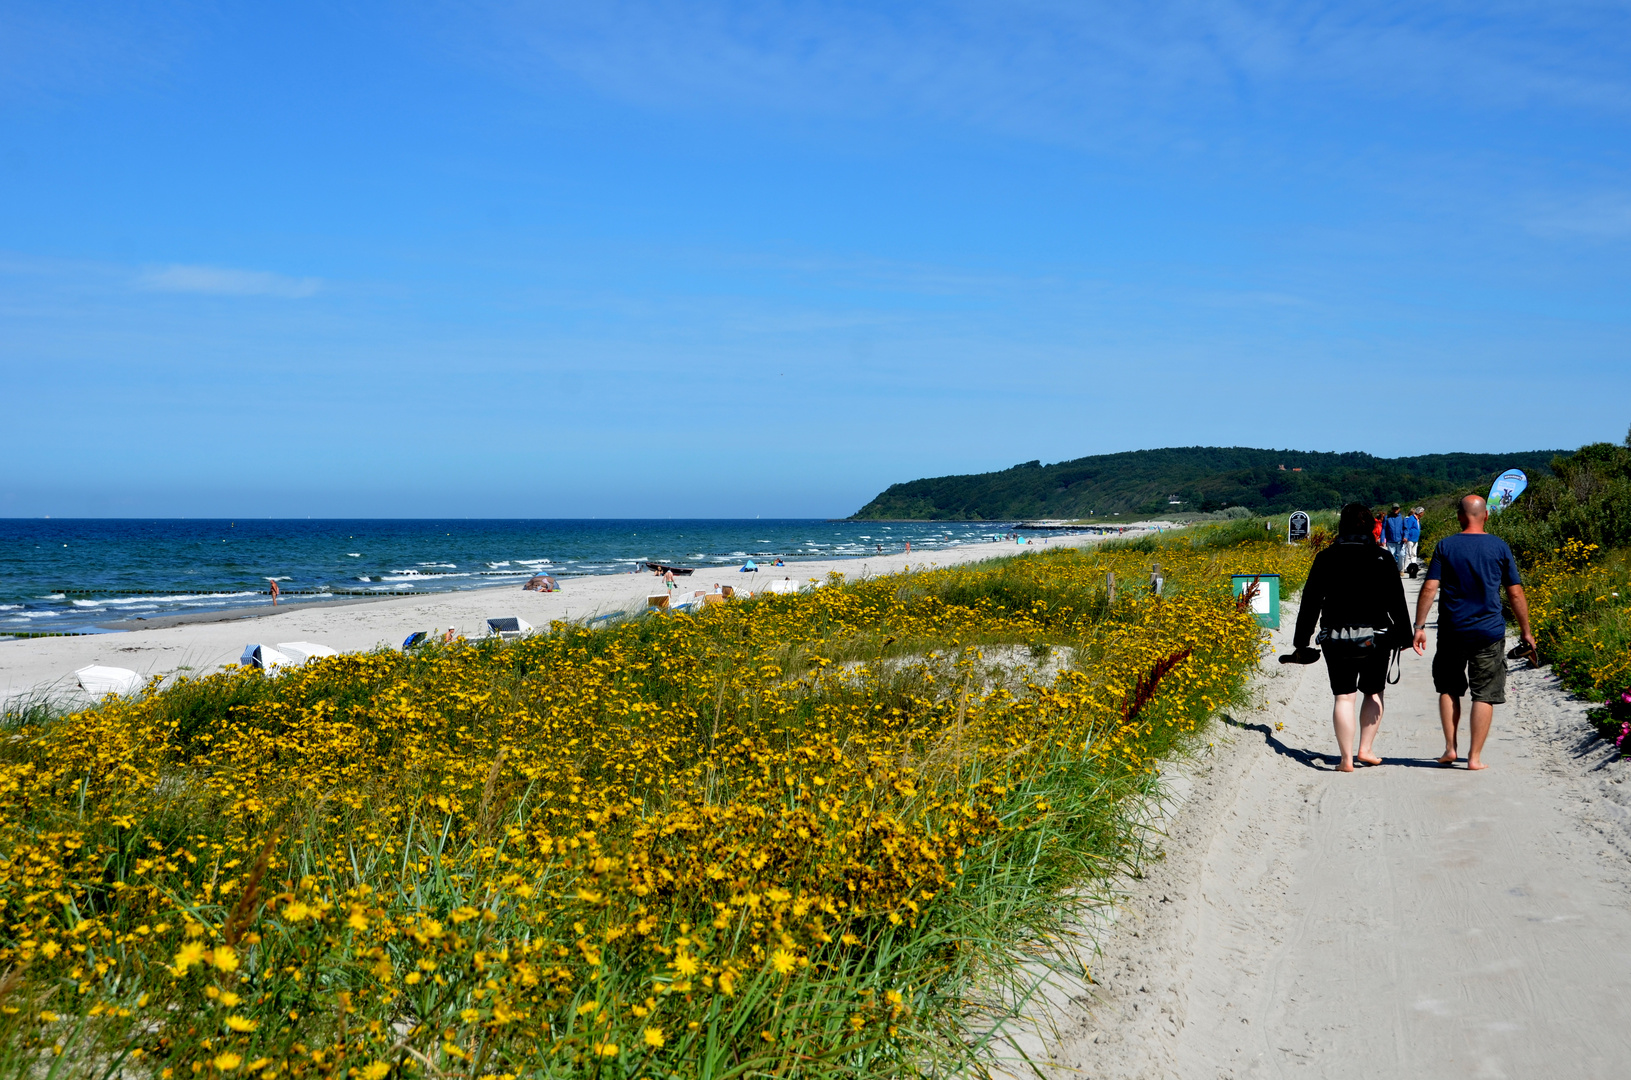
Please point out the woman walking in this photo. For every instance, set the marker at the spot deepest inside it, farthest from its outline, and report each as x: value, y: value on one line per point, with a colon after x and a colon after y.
x: 1354, y: 591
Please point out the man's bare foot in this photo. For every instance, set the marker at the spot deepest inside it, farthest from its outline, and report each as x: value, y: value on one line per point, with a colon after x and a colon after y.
x: 1474, y: 766
x: 1368, y: 759
x: 1447, y: 758
x: 1346, y: 766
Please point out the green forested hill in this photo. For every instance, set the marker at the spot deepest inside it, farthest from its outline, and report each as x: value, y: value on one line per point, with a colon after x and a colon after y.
x: 1203, y: 478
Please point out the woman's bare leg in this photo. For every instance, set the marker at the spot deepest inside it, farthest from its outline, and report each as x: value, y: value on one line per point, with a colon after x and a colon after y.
x: 1342, y: 719
x: 1370, y: 721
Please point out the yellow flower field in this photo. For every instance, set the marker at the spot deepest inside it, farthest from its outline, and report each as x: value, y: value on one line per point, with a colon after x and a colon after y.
x: 793, y: 833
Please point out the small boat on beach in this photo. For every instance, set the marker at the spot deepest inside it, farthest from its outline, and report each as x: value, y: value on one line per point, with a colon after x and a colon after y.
x: 664, y: 568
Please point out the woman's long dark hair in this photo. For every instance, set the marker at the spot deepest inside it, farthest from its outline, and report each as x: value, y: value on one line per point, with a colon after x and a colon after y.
x: 1356, y: 522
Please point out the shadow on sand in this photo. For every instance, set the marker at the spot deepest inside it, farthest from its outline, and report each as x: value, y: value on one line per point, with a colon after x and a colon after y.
x: 1322, y: 762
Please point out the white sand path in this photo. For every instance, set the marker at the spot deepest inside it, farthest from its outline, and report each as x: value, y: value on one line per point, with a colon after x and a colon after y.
x: 1402, y: 921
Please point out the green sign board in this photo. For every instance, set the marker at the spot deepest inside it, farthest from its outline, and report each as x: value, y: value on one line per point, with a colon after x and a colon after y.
x: 1265, y: 603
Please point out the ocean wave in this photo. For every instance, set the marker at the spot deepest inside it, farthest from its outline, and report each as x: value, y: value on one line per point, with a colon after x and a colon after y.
x: 87, y: 603
x: 400, y: 577
x: 10, y: 607
x: 353, y: 554
x: 440, y: 565
x: 53, y: 596
x: 36, y: 615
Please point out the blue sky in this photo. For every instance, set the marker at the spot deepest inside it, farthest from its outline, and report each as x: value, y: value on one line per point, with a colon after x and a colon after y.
x: 720, y: 259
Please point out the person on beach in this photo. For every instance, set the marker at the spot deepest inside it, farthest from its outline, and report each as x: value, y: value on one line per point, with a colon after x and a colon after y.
x: 1393, y: 535
x: 1355, y: 584
x: 1471, y: 569
x: 275, y: 591
x: 668, y: 579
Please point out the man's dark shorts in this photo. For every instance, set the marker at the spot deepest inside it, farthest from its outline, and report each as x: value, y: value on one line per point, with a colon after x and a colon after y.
x: 1482, y: 666
x: 1367, y: 676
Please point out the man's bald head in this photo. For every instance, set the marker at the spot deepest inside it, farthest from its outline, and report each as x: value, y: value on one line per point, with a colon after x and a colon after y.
x: 1473, y: 508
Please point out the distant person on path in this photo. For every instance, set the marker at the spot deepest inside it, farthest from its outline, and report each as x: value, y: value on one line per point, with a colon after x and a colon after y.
x: 1353, y: 584
x: 1412, y: 537
x: 1472, y: 567
x: 275, y: 591
x: 1376, y: 531
x: 1393, y: 535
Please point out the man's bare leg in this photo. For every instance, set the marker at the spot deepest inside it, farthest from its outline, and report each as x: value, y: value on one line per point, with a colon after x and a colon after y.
x: 1370, y: 722
x: 1483, y: 714
x: 1342, y: 719
x: 1449, y: 715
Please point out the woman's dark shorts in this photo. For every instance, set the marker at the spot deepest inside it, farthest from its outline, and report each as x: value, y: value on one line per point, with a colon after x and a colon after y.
x: 1480, y: 665
x: 1368, y: 676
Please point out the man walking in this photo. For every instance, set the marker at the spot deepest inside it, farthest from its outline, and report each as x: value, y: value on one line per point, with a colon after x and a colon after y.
x: 1393, y: 536
x: 1473, y: 567
x: 1412, y: 537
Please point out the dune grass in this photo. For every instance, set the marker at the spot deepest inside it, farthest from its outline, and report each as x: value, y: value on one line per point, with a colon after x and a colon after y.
x: 801, y: 834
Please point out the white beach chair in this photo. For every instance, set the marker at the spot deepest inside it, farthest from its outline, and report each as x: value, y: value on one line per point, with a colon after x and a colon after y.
x: 302, y: 651
x: 99, y: 682
x: 264, y: 657
x: 508, y: 629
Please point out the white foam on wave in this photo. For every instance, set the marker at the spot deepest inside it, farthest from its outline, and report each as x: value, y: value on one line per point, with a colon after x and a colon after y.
x: 87, y: 603
x: 440, y: 565
x: 410, y: 576
x: 9, y: 607
x: 36, y: 615
x: 53, y: 596
x: 353, y: 554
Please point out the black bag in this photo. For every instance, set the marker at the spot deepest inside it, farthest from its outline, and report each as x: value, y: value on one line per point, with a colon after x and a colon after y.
x: 1361, y: 643
x: 1351, y: 642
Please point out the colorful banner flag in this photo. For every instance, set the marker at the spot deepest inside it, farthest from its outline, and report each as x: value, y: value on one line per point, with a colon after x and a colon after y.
x: 1506, y: 489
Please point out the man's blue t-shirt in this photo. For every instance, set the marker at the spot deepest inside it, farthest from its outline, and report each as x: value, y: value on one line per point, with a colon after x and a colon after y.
x: 1473, y: 568
x: 1412, y: 529
x: 1393, y: 529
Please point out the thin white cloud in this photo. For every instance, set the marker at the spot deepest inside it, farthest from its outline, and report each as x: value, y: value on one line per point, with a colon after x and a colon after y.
x: 49, y: 48
x: 1067, y: 70
x: 220, y: 281
x: 1604, y: 217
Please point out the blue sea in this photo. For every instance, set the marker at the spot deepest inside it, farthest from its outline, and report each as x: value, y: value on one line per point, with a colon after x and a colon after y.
x: 61, y: 575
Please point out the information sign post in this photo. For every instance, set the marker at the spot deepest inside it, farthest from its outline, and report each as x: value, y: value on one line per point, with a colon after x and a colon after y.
x: 1266, y: 604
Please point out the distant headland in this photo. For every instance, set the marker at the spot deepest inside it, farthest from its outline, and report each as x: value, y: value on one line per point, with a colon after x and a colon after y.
x: 1200, y: 479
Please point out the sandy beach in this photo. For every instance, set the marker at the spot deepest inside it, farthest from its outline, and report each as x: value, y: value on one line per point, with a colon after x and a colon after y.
x: 202, y: 643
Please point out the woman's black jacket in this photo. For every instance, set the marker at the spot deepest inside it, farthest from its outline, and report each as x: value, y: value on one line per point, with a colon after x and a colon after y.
x: 1354, y: 583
